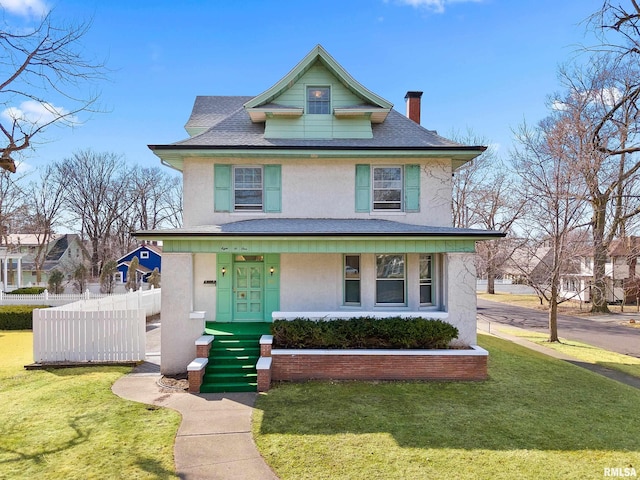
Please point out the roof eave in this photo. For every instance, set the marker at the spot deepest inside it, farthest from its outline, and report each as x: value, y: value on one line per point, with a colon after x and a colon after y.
x: 181, y: 235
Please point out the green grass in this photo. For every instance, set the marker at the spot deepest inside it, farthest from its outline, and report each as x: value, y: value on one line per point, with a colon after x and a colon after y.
x: 569, y: 307
x: 67, y: 424
x: 535, y: 418
x: 582, y: 351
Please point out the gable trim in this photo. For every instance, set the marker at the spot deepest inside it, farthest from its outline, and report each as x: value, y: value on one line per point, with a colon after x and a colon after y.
x: 318, y: 53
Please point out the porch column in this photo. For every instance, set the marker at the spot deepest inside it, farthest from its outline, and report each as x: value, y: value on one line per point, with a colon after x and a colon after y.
x: 19, y: 272
x: 461, y: 295
x: 179, y: 332
x: 5, y: 273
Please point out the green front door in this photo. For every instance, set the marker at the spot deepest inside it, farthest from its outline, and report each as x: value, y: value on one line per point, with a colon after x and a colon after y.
x: 248, y: 291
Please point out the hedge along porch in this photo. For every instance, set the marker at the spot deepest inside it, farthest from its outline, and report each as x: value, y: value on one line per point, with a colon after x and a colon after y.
x: 307, y: 276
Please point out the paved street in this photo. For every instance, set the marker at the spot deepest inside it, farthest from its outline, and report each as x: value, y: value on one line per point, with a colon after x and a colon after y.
x: 602, y: 331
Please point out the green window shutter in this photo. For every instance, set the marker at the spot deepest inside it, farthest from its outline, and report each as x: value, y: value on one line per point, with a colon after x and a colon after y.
x: 222, y: 188
x: 272, y: 188
x: 363, y: 187
x: 412, y: 188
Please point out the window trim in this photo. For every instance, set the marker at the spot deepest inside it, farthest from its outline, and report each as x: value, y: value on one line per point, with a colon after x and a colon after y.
x: 345, y: 279
x: 404, y: 280
x: 373, y: 190
x: 431, y: 281
x: 144, y: 255
x: 318, y: 103
x: 233, y: 189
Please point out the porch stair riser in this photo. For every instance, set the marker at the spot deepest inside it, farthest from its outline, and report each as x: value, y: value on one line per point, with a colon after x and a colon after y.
x: 233, y: 356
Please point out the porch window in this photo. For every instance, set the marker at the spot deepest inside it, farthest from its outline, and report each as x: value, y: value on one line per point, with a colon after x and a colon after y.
x: 387, y: 188
x: 390, y: 279
x: 318, y: 100
x: 426, y: 279
x: 247, y: 188
x: 352, y: 279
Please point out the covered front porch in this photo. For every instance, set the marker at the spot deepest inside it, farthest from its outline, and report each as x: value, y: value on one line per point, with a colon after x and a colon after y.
x: 245, y: 271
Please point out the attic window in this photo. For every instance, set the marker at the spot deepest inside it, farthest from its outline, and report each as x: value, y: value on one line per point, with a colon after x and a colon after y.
x: 318, y: 100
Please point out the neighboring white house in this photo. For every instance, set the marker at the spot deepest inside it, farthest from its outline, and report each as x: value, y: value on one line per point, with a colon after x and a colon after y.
x: 63, y: 252
x: 314, y: 196
x: 622, y: 275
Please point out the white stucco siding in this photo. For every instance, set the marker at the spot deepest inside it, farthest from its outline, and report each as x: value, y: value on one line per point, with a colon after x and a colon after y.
x: 197, y: 185
x: 310, y: 282
x: 460, y: 295
x: 204, y: 272
x: 179, y: 331
x: 318, y: 188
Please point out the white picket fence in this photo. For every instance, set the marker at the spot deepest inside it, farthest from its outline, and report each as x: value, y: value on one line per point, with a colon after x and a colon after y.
x: 110, y: 329
x: 46, y: 298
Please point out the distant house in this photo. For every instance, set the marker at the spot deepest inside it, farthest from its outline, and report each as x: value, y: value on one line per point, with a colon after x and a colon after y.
x: 149, y: 256
x: 63, y: 252
x: 622, y: 275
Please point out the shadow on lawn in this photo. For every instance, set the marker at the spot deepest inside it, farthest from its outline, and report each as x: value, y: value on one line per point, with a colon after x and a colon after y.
x: 530, y: 402
x: 37, y: 454
x: 154, y: 467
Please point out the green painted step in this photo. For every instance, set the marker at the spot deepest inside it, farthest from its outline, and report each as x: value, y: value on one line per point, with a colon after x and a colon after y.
x: 233, y: 356
x: 229, y: 387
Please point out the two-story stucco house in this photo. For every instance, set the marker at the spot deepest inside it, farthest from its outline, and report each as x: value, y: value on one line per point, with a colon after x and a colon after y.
x: 313, y: 198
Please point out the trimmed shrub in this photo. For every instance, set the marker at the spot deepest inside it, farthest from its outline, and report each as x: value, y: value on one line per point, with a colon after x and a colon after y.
x: 17, y: 317
x: 363, y: 333
x: 27, y: 291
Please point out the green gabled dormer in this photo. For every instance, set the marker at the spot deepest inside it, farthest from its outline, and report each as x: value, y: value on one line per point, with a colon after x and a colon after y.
x: 318, y: 99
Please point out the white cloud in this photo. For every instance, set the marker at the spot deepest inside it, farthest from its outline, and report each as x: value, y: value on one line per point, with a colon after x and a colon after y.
x: 37, y: 114
x: 25, y: 8
x: 436, y: 6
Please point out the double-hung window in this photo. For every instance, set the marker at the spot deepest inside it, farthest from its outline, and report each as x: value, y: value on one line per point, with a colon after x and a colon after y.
x: 247, y: 188
x: 426, y: 279
x: 318, y: 100
x: 390, y: 279
x: 387, y: 188
x: 352, y: 279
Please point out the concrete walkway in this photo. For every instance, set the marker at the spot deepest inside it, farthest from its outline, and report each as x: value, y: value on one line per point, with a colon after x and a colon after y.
x: 214, y: 440
x: 485, y: 326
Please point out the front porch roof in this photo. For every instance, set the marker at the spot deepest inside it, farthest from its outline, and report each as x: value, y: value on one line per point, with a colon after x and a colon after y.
x: 320, y: 227
x: 299, y: 235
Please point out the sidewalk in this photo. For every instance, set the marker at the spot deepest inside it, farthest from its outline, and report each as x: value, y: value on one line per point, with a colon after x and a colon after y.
x: 214, y: 440
x: 485, y: 327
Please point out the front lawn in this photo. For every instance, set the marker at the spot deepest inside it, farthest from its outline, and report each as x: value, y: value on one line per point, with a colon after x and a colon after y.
x: 581, y: 351
x: 67, y: 424
x: 535, y: 418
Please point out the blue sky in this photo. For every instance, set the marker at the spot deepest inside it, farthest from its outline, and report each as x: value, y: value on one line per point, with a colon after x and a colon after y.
x: 484, y: 65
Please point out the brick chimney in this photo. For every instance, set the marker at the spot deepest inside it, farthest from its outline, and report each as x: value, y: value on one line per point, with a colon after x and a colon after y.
x: 413, y: 105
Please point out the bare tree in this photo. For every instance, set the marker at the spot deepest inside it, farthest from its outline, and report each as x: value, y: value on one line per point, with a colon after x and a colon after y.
x: 498, y: 205
x: 12, y: 204
x: 600, y: 152
x: 40, y: 66
x: 98, y: 194
x: 555, y: 208
x: 469, y: 180
x: 154, y: 188
x: 485, y: 195
x: 45, y: 201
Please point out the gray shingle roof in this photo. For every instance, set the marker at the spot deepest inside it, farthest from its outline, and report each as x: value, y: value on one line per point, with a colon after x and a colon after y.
x: 322, y: 227
x: 229, y: 126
